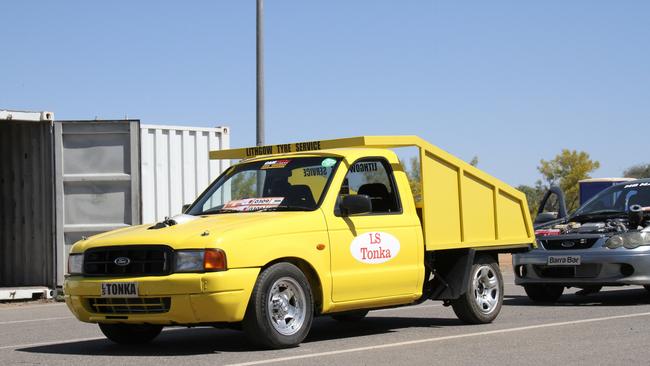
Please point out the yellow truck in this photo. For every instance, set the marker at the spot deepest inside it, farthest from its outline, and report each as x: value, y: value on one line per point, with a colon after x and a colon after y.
x: 306, y: 229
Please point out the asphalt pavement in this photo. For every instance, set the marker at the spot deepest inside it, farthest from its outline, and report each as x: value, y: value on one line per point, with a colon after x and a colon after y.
x: 610, y: 327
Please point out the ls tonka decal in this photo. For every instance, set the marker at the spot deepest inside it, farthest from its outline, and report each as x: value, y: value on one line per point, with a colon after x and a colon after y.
x: 374, y: 247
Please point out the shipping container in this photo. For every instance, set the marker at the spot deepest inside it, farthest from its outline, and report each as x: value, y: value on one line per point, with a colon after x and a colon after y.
x: 175, y: 166
x: 97, y: 175
x: 63, y: 180
x: 27, y: 214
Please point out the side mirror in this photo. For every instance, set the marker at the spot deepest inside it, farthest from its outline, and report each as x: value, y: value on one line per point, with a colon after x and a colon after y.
x: 545, y: 217
x: 355, y: 204
x: 185, y: 207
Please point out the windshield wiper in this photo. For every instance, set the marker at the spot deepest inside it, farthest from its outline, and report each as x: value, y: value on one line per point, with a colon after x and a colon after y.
x: 600, y: 213
x: 286, y: 208
x: 219, y: 210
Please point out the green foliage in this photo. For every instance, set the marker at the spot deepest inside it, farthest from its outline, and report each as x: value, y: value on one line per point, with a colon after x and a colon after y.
x: 412, y: 170
x: 243, y: 185
x: 566, y: 170
x: 637, y: 171
x: 474, y: 161
x: 534, y: 195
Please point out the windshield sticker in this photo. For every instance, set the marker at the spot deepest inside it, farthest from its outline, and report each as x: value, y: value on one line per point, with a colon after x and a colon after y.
x: 276, y: 164
x: 644, y: 184
x: 374, y: 247
x: 314, y: 172
x: 328, y: 162
x: 363, y: 167
x: 253, y: 204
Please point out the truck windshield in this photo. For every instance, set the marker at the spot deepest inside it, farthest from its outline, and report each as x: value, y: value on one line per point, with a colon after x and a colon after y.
x: 292, y: 184
x: 616, y: 200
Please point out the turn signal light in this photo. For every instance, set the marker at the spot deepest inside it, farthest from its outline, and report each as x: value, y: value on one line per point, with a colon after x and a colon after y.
x: 214, y: 260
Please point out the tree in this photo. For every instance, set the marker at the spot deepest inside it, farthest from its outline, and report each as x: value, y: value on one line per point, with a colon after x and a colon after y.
x: 637, y: 171
x: 414, y: 176
x: 474, y: 161
x: 534, y: 195
x: 565, y: 170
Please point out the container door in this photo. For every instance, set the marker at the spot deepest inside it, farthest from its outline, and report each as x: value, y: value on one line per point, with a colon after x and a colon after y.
x: 26, y: 204
x: 97, y: 180
x: 373, y: 255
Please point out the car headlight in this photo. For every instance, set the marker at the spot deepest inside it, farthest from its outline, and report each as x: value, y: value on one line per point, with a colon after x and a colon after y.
x: 200, y: 260
x: 629, y: 240
x: 76, y: 263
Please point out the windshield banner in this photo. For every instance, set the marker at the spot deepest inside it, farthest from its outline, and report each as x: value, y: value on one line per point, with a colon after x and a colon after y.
x: 253, y: 204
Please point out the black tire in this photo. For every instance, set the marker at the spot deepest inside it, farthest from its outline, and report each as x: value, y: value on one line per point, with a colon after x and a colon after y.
x: 647, y: 287
x: 481, y: 304
x: 259, y: 324
x: 544, y: 293
x: 130, y: 333
x: 350, y: 316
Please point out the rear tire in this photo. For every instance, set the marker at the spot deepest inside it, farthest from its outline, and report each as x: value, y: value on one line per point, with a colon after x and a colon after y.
x: 351, y: 316
x: 281, y: 307
x: 482, y: 301
x: 544, y: 293
x: 130, y: 333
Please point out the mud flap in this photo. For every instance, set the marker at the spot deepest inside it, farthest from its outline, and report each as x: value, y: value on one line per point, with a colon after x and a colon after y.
x: 451, y: 273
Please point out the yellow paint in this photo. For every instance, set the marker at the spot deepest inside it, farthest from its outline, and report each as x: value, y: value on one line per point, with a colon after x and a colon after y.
x: 462, y: 207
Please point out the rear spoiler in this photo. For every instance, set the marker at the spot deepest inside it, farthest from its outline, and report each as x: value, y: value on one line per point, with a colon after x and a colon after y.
x: 360, y: 141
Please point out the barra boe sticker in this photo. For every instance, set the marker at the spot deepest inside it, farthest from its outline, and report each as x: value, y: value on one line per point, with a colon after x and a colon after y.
x: 374, y: 247
x: 275, y: 164
x: 253, y: 204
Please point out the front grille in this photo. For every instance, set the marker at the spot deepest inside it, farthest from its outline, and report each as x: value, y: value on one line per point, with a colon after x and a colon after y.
x: 146, y: 260
x: 568, y: 243
x: 123, y: 305
x: 589, y: 270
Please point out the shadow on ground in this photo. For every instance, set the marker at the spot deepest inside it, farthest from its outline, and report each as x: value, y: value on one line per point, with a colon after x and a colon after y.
x: 606, y: 297
x: 196, y: 341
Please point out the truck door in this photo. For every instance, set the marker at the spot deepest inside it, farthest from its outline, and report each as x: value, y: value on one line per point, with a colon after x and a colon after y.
x: 375, y: 254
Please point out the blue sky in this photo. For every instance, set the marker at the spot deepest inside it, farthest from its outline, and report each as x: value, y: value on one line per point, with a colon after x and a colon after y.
x: 510, y: 81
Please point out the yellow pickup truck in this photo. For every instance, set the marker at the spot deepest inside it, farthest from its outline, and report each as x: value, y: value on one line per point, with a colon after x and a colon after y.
x: 305, y: 229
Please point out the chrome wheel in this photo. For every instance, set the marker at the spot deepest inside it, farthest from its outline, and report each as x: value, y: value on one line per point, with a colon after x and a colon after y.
x: 286, y: 306
x: 485, y: 285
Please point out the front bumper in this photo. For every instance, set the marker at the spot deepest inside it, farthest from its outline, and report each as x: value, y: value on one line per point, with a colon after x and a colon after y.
x: 599, y: 266
x: 194, y: 298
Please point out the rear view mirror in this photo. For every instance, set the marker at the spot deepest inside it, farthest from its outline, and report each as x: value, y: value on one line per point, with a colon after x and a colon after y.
x: 355, y: 204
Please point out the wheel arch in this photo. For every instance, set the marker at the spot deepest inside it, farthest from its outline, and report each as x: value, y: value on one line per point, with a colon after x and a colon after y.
x: 312, y: 276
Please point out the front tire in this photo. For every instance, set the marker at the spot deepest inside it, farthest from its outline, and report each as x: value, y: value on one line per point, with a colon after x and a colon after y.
x: 130, y: 333
x: 482, y: 301
x: 280, y: 310
x: 544, y: 293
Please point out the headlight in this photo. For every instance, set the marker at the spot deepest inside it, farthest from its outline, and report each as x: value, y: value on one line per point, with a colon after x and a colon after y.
x: 76, y: 263
x: 629, y: 240
x: 200, y: 260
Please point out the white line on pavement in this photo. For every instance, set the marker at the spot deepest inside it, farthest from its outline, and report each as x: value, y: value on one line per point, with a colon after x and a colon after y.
x: 436, y: 339
x: 35, y: 320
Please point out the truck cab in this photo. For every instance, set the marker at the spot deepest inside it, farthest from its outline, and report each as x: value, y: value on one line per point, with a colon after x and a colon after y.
x: 295, y: 231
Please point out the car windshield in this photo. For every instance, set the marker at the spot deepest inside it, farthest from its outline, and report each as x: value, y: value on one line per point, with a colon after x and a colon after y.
x: 617, y: 200
x: 292, y: 184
